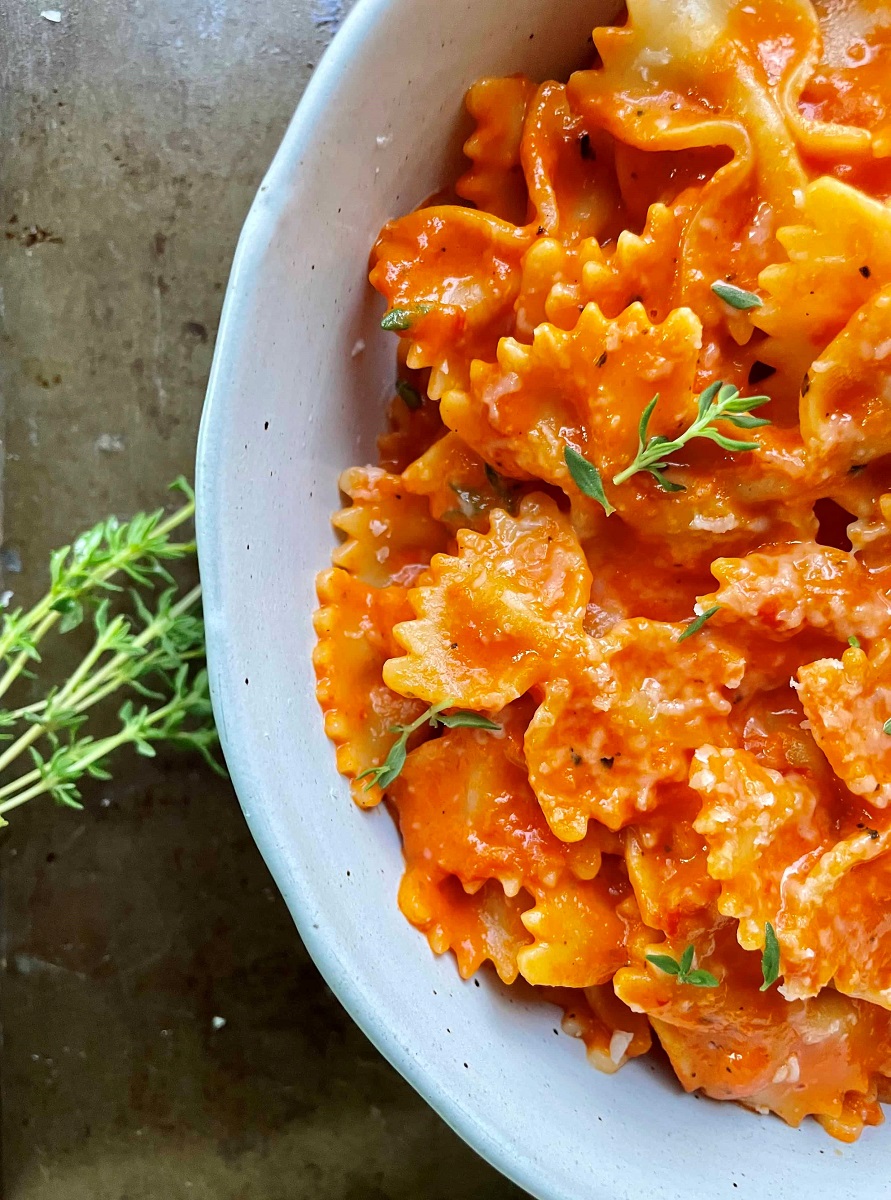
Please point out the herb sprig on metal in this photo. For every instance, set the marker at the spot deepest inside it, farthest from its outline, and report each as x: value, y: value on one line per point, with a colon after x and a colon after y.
x: 392, y: 765
x: 681, y: 969
x: 157, y: 653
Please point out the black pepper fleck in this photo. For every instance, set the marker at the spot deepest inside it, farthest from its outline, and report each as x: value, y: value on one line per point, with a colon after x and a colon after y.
x: 760, y: 371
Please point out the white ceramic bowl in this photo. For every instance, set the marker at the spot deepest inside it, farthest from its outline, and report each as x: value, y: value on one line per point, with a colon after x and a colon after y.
x: 289, y: 405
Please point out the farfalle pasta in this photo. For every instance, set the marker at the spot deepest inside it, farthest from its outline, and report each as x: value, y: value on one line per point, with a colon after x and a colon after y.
x: 609, y: 629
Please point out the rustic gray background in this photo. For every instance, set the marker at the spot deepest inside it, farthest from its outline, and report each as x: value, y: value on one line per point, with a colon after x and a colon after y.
x: 134, y: 134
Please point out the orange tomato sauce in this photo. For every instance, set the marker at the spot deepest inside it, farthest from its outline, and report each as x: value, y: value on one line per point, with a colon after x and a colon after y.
x: 667, y: 825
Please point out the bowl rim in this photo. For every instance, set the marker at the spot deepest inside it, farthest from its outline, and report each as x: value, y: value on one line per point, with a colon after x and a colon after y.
x: 263, y: 216
x: 244, y: 754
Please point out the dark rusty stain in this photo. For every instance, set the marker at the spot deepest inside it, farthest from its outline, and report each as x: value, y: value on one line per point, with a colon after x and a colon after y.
x: 36, y: 235
x: 196, y: 330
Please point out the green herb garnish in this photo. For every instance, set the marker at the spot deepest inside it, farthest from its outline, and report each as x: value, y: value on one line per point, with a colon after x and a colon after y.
x: 399, y: 319
x: 388, y: 770
x: 158, y: 654
x: 736, y: 297
x: 410, y: 396
x: 472, y: 502
x: 886, y: 728
x: 854, y: 642
x: 697, y: 623
x: 770, y: 958
x: 506, y: 494
x: 718, y: 402
x: 681, y: 970
x: 586, y: 477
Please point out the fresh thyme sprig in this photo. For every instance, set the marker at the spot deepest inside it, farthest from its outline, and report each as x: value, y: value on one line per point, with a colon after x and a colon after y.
x: 158, y: 655
x: 137, y: 549
x: 472, y: 502
x: 505, y: 492
x: 398, y: 320
x: 390, y: 768
x: 770, y: 958
x: 410, y: 396
x: 681, y: 970
x: 736, y: 297
x: 185, y: 720
x: 697, y: 623
x: 718, y: 402
x: 586, y: 478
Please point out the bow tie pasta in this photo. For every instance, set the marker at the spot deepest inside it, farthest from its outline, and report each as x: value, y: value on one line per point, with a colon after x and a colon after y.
x: 609, y: 628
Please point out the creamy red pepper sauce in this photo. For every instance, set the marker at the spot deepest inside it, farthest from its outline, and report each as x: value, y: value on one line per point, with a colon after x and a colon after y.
x: 630, y: 699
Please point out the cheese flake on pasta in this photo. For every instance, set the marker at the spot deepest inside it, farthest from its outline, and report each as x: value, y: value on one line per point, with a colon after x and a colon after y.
x: 833, y: 925
x: 627, y: 719
x: 757, y: 824
x: 786, y: 589
x: 666, y: 860
x: 848, y: 703
x: 391, y: 535
x: 499, y: 615
x: 612, y: 1033
x: 586, y: 387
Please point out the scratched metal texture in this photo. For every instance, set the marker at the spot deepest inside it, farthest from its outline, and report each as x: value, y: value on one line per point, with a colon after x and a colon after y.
x: 164, y: 1031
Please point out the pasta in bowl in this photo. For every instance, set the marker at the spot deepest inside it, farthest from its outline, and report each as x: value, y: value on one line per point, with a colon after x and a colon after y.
x: 608, y: 629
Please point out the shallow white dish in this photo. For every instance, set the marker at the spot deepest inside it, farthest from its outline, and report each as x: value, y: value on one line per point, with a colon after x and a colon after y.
x: 293, y: 398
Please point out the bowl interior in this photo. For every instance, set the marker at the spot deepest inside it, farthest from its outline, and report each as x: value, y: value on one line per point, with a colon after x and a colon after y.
x: 299, y: 380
